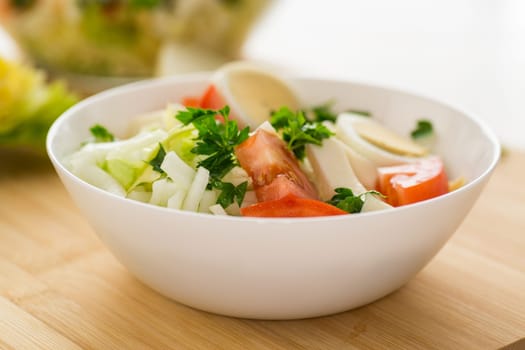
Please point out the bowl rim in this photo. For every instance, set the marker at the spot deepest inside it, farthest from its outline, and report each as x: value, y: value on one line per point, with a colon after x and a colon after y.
x: 199, y: 76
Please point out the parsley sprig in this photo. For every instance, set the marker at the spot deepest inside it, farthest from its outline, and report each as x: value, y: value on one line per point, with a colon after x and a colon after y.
x: 101, y: 134
x: 156, y: 162
x: 297, y: 131
x: 230, y: 193
x: 423, y: 128
x: 324, y: 112
x: 360, y: 112
x: 346, y: 200
x: 216, y: 142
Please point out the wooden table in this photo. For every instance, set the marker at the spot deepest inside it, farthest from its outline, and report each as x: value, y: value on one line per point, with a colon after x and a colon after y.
x: 61, y: 289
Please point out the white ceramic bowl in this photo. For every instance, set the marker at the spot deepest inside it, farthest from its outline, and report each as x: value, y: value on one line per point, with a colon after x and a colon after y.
x: 278, y: 268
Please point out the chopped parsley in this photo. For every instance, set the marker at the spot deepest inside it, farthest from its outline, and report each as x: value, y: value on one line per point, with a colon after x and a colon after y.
x: 297, y: 131
x: 230, y: 193
x: 101, y: 134
x: 216, y: 141
x: 324, y: 112
x: 360, y: 112
x: 346, y: 200
x: 156, y: 162
x: 423, y: 128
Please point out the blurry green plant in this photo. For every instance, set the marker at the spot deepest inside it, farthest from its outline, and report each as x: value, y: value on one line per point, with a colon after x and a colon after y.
x: 28, y: 105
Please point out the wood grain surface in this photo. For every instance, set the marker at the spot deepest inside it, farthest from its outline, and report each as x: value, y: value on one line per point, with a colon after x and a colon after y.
x: 61, y: 289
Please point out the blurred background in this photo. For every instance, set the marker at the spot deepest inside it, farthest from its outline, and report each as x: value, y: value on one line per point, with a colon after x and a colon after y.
x: 468, y: 52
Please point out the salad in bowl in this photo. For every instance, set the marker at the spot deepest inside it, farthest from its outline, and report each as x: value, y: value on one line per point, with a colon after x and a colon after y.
x: 280, y: 205
x: 246, y: 146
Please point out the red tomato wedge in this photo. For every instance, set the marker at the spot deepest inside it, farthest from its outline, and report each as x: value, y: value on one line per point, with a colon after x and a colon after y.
x: 191, y: 101
x: 212, y: 99
x: 273, y: 168
x: 414, y: 182
x: 291, y: 206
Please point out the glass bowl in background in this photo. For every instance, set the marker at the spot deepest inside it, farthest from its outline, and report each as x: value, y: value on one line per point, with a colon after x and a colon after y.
x: 96, y: 44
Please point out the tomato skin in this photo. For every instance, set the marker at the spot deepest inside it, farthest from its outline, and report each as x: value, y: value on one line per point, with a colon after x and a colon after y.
x: 291, y: 206
x: 273, y: 168
x: 414, y: 182
x: 281, y: 186
x: 212, y: 98
x: 191, y: 101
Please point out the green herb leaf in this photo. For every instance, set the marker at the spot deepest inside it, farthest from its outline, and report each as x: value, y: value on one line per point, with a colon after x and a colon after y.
x: 423, y: 128
x: 156, y: 162
x: 230, y: 193
x: 191, y: 114
x: 216, y: 141
x: 297, y: 131
x: 360, y: 112
x: 220, y: 164
x: 324, y: 112
x: 101, y: 134
x: 346, y: 200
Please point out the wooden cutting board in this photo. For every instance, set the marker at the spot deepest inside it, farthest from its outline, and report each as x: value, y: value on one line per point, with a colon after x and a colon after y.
x: 61, y: 289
